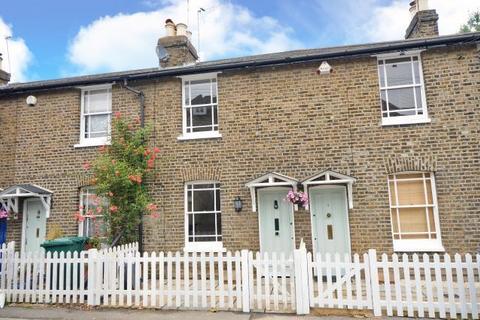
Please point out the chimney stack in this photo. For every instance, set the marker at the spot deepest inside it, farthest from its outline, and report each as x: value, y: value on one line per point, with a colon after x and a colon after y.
x: 424, y: 22
x: 175, y: 48
x: 4, y: 76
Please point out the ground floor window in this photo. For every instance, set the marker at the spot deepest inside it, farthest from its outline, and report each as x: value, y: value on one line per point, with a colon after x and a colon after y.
x: 414, y: 212
x: 91, y: 223
x: 203, y: 214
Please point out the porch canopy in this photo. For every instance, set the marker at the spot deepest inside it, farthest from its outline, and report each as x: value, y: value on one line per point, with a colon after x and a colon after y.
x: 10, y: 196
x: 329, y: 177
x: 271, y: 179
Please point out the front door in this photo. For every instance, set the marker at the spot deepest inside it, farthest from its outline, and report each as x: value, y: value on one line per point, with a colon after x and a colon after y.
x: 328, y: 207
x: 276, y: 221
x: 35, y: 225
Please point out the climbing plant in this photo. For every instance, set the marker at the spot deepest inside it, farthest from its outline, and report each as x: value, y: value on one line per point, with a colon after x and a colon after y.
x: 118, y: 174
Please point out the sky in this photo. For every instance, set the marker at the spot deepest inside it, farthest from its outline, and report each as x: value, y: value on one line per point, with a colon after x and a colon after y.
x: 57, y: 38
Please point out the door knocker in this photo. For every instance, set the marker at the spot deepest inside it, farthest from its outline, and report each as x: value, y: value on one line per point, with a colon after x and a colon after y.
x: 329, y: 215
x: 275, y: 204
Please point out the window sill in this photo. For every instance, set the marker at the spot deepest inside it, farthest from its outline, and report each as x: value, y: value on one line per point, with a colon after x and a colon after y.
x: 404, y: 120
x: 94, y: 143
x: 418, y: 246
x: 204, y: 247
x: 200, y: 135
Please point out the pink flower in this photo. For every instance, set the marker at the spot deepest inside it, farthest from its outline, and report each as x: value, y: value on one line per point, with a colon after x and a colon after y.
x: 99, y: 209
x: 117, y: 115
x: 156, y: 150
x: 113, y: 209
x: 87, y: 166
x: 152, y: 207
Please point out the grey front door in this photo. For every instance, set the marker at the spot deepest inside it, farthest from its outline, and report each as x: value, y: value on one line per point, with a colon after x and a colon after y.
x: 35, y: 225
x: 276, y: 221
x: 328, y: 207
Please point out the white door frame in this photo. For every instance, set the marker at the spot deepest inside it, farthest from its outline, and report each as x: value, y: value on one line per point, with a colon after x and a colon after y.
x: 267, y: 189
x: 347, y: 216
x: 24, y: 222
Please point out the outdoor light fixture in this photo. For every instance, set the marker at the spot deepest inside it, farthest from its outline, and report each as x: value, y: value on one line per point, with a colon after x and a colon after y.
x: 237, y: 204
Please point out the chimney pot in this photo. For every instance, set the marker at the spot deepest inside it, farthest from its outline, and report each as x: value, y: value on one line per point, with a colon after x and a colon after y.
x: 181, y: 29
x: 424, y: 21
x: 170, y: 30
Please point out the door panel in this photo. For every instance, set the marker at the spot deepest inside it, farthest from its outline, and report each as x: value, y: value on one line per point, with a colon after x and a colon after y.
x: 276, y: 221
x: 35, y: 225
x: 330, y: 228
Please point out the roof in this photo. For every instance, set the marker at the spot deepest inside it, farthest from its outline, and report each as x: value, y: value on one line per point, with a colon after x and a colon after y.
x: 279, y: 58
x: 25, y: 189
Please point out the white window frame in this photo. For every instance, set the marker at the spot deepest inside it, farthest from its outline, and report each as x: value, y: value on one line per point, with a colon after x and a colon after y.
x: 415, y: 245
x: 85, y: 192
x: 201, y: 246
x: 411, y: 119
x: 204, y: 134
x: 98, y: 141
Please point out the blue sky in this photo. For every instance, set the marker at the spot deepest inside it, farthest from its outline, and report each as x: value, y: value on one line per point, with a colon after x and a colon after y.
x: 58, y: 38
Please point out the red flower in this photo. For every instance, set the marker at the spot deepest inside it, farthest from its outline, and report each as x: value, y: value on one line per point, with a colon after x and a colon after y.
x: 150, y: 163
x: 118, y: 115
x: 155, y: 215
x: 87, y: 166
x: 147, y: 152
x: 156, y: 150
x: 99, y: 209
x: 113, y: 209
x: 135, y: 178
x: 152, y: 207
x: 79, y: 217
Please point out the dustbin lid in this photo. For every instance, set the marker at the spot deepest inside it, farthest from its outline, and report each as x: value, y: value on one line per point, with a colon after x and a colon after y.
x: 57, y: 242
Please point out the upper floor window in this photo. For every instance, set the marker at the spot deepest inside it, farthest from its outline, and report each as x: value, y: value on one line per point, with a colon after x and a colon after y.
x: 414, y: 212
x: 402, y: 91
x: 96, y: 114
x: 203, y: 216
x: 91, y: 222
x: 200, y: 107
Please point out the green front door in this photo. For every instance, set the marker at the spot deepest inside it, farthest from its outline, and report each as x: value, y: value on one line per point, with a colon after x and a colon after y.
x: 276, y: 221
x: 328, y: 207
x: 35, y: 225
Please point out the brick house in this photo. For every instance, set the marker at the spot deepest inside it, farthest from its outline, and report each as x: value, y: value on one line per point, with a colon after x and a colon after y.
x: 384, y: 137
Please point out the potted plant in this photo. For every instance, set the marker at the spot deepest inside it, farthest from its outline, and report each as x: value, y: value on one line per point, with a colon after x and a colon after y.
x: 298, y: 198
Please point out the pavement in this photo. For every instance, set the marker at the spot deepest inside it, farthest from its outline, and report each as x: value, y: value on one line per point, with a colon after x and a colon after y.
x: 77, y: 313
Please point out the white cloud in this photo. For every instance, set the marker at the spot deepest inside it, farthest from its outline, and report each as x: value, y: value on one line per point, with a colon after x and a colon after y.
x: 127, y: 41
x: 20, y: 55
x: 390, y: 22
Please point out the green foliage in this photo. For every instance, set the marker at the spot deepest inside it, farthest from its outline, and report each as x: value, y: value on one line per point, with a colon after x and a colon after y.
x: 473, y: 23
x: 119, y: 173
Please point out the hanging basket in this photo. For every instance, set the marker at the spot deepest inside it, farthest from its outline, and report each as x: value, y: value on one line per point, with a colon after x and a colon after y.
x: 297, y: 198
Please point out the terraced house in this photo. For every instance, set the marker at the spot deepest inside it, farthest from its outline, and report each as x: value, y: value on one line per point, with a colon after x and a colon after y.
x: 384, y: 137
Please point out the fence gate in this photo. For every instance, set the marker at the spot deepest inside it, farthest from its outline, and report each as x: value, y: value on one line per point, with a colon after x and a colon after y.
x: 338, y: 282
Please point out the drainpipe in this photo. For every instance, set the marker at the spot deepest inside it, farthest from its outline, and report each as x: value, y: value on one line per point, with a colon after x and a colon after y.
x: 141, y: 99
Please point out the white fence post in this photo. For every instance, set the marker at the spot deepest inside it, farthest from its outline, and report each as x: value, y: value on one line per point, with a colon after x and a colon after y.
x: 372, y: 258
x: 301, y: 280
x: 91, y: 281
x: 245, y: 281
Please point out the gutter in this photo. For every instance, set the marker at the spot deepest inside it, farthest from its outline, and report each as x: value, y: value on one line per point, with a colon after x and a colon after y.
x: 467, y: 38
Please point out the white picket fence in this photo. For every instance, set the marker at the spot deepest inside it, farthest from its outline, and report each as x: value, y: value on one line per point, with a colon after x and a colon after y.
x: 433, y: 286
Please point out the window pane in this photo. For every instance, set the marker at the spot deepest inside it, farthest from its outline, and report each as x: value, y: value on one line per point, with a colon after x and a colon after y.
x: 205, y: 224
x: 381, y: 74
x: 203, y: 186
x: 431, y: 219
x: 418, y: 93
x: 215, y: 115
x: 202, y: 116
x: 401, y: 99
x: 189, y: 201
x: 97, y: 126
x: 416, y: 70
x: 413, y: 220
x: 393, y: 199
x: 214, y: 91
x: 203, y: 201
x: 219, y: 223
x: 190, y: 224
x: 394, y: 220
x: 201, y: 92
x: 411, y: 192
x: 97, y: 101
x: 383, y: 97
x: 217, y: 199
x: 399, y: 73
x: 187, y: 93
